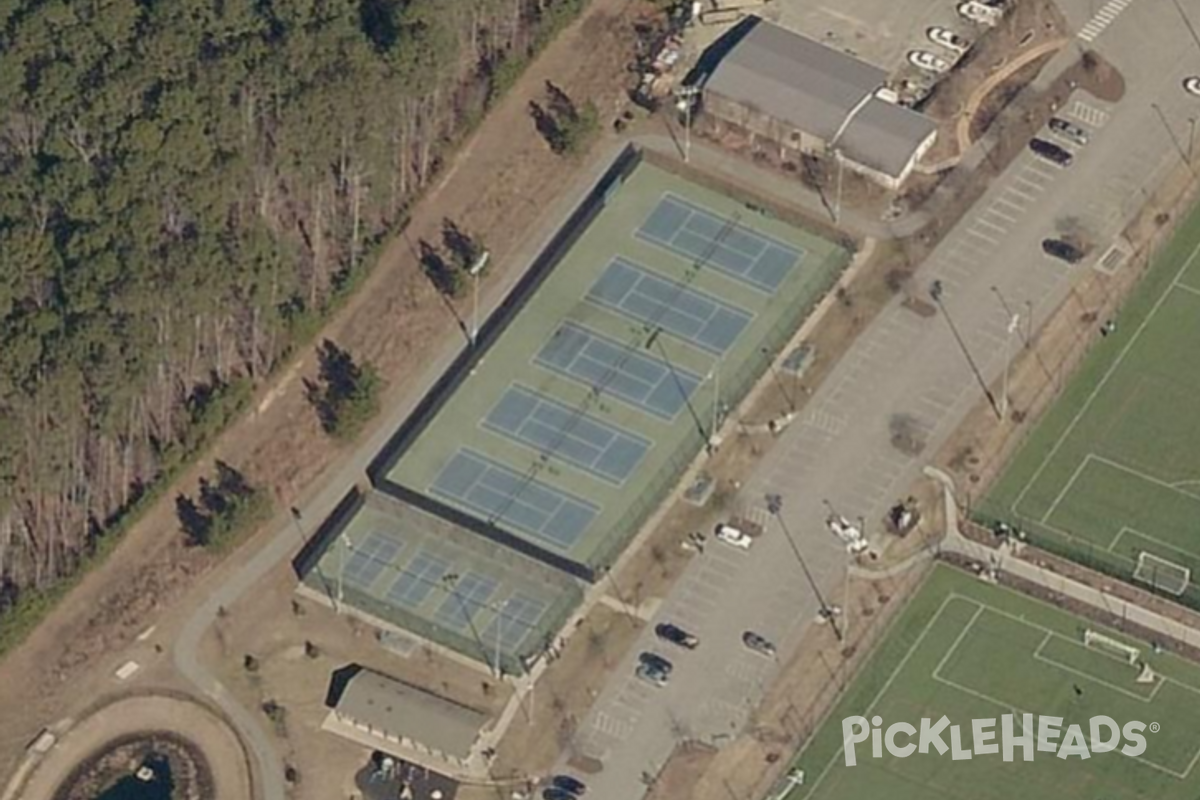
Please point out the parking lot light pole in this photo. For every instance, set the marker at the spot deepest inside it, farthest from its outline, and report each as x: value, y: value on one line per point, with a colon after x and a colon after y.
x: 687, y: 99
x: 775, y: 507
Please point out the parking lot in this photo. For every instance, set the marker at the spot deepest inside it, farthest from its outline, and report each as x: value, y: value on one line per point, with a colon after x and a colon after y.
x: 880, y: 32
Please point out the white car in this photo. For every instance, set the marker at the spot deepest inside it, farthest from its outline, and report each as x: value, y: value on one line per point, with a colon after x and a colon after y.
x: 923, y: 59
x: 1191, y: 85
x: 948, y: 39
x: 980, y: 13
x: 734, y: 536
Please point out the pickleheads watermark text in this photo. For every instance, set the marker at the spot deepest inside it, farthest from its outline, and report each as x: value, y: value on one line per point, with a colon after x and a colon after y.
x: 1047, y: 735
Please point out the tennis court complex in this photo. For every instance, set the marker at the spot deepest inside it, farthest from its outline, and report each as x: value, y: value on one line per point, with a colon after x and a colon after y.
x: 975, y: 651
x: 604, y: 379
x: 1111, y: 476
x: 407, y: 568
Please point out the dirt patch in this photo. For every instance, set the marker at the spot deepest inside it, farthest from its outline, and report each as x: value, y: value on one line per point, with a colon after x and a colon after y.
x: 547, y: 723
x: 683, y: 768
x: 1031, y: 24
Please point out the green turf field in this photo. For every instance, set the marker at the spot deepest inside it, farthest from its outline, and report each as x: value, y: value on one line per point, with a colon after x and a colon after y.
x: 972, y: 650
x: 1114, y: 468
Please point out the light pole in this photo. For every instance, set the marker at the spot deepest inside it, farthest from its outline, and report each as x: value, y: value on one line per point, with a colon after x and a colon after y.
x: 1013, y: 325
x: 687, y: 98
x: 936, y: 293
x: 475, y: 271
x: 775, y: 507
x: 715, y: 376
x: 837, y: 201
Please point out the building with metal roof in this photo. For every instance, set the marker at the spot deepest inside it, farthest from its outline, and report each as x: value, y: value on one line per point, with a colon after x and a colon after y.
x: 407, y: 719
x: 804, y: 96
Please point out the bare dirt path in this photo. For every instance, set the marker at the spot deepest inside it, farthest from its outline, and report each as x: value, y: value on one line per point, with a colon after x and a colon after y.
x: 504, y: 185
x: 963, y: 128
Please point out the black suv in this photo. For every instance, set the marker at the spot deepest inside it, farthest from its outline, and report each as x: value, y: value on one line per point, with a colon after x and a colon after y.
x: 1062, y: 250
x: 1051, y: 152
x: 676, y: 635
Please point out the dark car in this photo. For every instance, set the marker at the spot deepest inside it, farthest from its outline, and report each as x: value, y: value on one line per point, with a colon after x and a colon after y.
x: 652, y: 674
x: 569, y: 784
x: 676, y: 635
x: 1062, y: 250
x: 758, y: 644
x: 656, y: 661
x: 555, y: 793
x: 1051, y: 152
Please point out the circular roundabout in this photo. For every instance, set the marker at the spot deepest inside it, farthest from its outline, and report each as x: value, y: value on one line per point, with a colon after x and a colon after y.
x: 144, y: 746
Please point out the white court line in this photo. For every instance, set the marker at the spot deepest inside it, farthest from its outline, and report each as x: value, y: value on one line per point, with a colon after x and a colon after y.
x: 1137, y: 334
x: 1066, y: 488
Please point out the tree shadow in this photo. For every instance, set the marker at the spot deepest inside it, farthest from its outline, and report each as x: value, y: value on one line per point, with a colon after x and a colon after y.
x: 547, y: 127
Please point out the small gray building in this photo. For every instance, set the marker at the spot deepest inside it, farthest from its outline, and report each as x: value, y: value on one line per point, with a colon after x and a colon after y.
x: 410, y: 718
x: 803, y: 96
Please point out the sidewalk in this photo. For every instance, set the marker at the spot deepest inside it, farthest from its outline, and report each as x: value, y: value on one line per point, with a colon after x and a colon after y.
x: 1005, y: 558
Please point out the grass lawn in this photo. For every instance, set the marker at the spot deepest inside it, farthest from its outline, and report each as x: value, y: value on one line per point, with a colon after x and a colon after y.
x: 971, y: 650
x: 1114, y: 468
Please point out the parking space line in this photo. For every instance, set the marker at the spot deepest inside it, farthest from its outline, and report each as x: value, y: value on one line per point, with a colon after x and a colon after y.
x: 981, y: 221
x: 1041, y: 170
x: 1028, y: 198
x: 1029, y: 185
x: 1002, y: 200
x: 992, y: 210
x: 979, y: 235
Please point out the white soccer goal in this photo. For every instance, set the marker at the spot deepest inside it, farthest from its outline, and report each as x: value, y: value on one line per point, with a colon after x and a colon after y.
x: 1164, y: 575
x: 1111, y: 647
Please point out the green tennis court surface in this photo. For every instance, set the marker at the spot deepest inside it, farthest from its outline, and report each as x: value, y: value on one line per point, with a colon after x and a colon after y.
x: 971, y: 650
x: 417, y: 571
x: 585, y: 409
x: 1113, y: 471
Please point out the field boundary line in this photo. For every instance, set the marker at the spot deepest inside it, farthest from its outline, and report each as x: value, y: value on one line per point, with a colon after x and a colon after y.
x: 1038, y: 656
x: 1187, y: 287
x: 1112, y: 368
x: 1051, y: 633
x: 1146, y: 476
x: 952, y: 596
x: 1066, y: 488
x: 1128, y: 529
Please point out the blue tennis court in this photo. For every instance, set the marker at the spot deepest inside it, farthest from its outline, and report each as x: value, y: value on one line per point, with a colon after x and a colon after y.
x: 682, y: 311
x: 369, y: 559
x: 606, y: 366
x: 517, y: 617
x: 417, y: 580
x: 514, y: 500
x: 569, y: 434
x: 471, y: 593
x: 696, y: 234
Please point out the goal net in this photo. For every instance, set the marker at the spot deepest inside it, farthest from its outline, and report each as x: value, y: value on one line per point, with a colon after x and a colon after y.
x: 1161, y: 574
x: 1111, y: 647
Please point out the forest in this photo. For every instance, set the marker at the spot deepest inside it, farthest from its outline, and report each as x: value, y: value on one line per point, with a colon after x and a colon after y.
x: 186, y: 189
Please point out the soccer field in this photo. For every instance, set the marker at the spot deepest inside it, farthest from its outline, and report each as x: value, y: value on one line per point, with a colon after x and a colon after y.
x: 1113, y: 471
x: 971, y: 650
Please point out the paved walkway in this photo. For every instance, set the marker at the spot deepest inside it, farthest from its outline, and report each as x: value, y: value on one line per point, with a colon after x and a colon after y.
x: 1005, y: 558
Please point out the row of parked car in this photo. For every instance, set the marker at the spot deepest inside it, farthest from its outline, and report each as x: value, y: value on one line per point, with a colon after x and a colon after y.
x: 952, y: 45
x: 656, y: 670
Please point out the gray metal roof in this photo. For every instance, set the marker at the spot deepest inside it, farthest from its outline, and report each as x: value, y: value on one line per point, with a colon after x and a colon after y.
x: 389, y: 705
x: 885, y: 136
x: 794, y: 79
